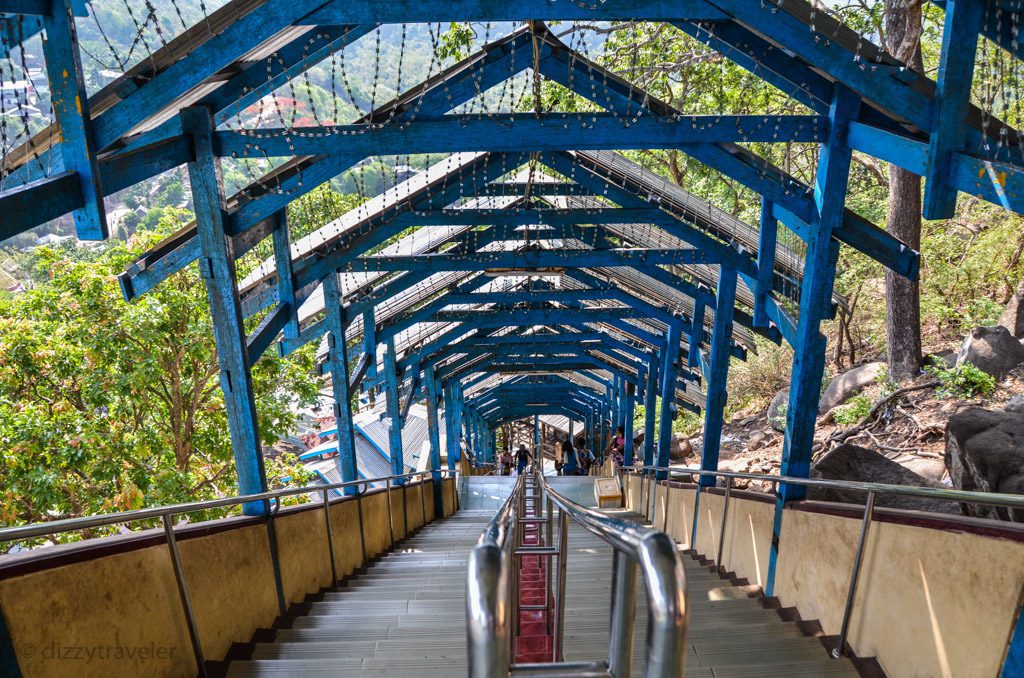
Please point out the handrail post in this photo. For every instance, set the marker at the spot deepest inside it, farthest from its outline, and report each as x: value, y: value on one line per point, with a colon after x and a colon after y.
x: 563, y: 552
x: 330, y: 539
x: 391, y: 519
x: 721, y: 530
x: 620, y: 645
x: 186, y: 604
x: 488, y: 591
x: 360, y: 491
x: 851, y: 594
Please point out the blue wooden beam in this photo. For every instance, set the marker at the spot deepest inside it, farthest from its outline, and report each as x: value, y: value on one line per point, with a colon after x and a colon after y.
x: 627, y: 424
x: 510, y: 133
x: 767, y: 238
x: 669, y: 368
x: 816, y: 296
x: 285, y: 280
x: 717, y: 377
x: 337, y: 363
x: 394, y: 411
x: 650, y: 405
x: 340, y: 12
x: 951, y: 103
x: 217, y: 267
x: 71, y: 108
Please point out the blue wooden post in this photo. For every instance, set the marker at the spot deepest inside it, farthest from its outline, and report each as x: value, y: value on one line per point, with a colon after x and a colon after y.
x: 820, y: 260
x: 650, y: 405
x: 624, y: 387
x: 337, y: 362
x: 816, y: 293
x: 616, y: 403
x: 952, y: 99
x: 696, y: 335
x: 669, y: 375
x: 459, y: 421
x: 766, y: 242
x: 394, y: 411
x: 71, y: 108
x: 370, y: 346
x: 721, y: 343
x: 434, y: 438
x: 1013, y: 665
x: 217, y: 267
x: 285, y: 277
x: 451, y: 439
x: 536, y: 439
x: 628, y: 425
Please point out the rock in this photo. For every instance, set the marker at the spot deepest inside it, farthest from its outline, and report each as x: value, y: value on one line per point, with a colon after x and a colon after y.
x: 853, y: 462
x: 991, y: 349
x: 926, y: 467
x: 681, y: 448
x: 943, y: 360
x: 756, y: 439
x: 1015, y: 404
x: 777, y: 410
x: 1013, y: 315
x: 848, y: 383
x: 985, y: 453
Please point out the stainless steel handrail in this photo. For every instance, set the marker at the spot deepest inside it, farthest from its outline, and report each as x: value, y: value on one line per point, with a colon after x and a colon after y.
x: 21, y: 532
x: 659, y: 563
x: 489, y: 608
x: 993, y: 498
x: 167, y: 513
x: 871, y: 489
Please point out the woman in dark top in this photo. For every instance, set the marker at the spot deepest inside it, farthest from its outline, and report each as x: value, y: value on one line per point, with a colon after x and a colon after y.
x: 522, y: 459
x: 570, y: 462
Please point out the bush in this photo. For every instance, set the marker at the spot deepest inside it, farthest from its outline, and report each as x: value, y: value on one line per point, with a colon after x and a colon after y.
x: 854, y: 411
x: 965, y: 381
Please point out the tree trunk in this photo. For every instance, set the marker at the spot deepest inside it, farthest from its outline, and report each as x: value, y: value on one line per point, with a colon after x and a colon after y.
x: 903, y: 221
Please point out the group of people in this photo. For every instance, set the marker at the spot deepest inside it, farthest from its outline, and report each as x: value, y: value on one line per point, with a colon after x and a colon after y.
x: 568, y: 460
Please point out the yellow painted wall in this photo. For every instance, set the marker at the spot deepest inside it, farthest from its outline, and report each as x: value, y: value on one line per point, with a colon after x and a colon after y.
x: 61, y: 619
x: 931, y: 603
x: 748, y: 538
x: 120, y: 614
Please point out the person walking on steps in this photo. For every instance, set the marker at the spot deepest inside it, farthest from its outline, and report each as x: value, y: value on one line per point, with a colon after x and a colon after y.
x: 570, y: 462
x: 522, y: 458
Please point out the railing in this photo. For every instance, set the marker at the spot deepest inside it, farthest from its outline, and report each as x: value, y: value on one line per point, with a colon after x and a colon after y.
x: 271, y: 501
x: 491, y: 593
x: 872, y: 490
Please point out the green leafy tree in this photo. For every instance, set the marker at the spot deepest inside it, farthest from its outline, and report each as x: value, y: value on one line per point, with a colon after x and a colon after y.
x: 106, y: 405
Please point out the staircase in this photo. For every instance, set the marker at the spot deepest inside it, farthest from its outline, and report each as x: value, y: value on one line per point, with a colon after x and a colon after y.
x: 404, y: 618
x: 730, y: 634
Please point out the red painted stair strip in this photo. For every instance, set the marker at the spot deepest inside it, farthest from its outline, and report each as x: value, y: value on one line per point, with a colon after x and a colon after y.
x: 534, y: 643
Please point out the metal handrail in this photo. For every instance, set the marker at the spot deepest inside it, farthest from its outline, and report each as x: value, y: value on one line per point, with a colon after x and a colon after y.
x: 966, y: 496
x: 489, y: 608
x: 665, y: 580
x: 101, y: 520
x: 872, y: 490
x: 166, y: 515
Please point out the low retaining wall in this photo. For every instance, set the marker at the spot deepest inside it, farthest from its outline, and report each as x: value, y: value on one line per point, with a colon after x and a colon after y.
x: 110, y: 606
x: 938, y: 595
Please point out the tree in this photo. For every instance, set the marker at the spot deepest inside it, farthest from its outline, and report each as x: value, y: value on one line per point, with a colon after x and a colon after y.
x: 106, y: 405
x: 903, y: 221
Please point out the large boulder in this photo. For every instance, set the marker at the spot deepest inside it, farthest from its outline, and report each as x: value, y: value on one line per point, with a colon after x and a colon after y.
x: 853, y: 462
x: 847, y: 384
x: 985, y: 453
x: 1013, y: 315
x: 681, y: 448
x: 777, y: 410
x: 991, y: 349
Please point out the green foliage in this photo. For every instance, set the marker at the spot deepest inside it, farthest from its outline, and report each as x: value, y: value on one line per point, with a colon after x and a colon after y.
x: 764, y: 373
x: 964, y: 381
x: 854, y: 411
x: 107, y: 406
